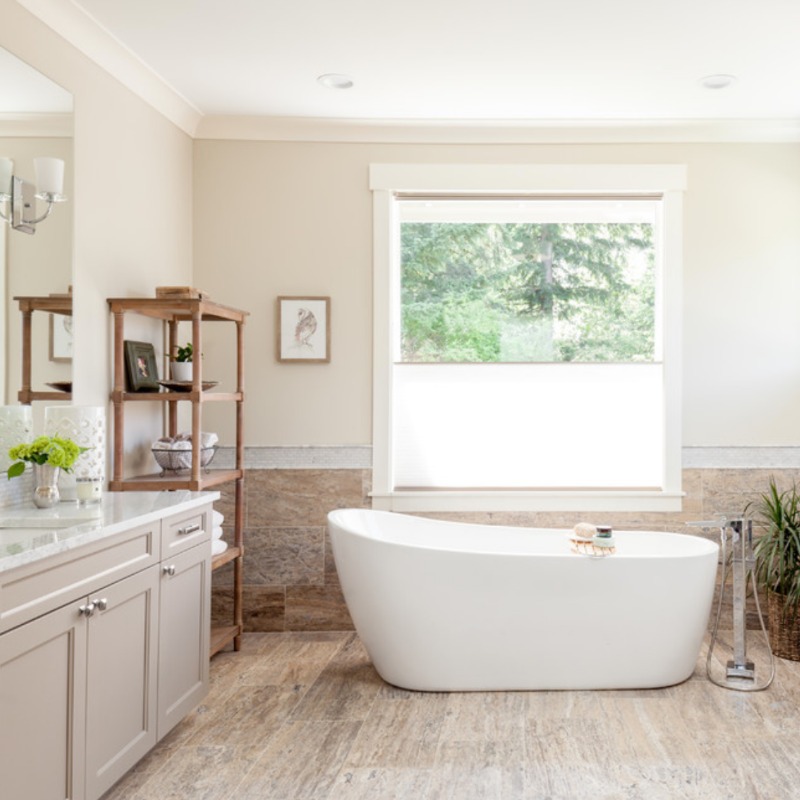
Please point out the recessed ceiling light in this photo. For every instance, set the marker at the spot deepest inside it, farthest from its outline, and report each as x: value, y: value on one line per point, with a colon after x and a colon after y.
x: 720, y: 81
x: 334, y: 80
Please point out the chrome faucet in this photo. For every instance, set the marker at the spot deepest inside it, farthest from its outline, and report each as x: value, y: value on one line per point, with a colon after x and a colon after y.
x: 738, y: 530
x: 743, y: 562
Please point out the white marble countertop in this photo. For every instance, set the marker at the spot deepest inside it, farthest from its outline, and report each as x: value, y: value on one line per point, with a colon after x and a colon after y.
x: 29, y: 534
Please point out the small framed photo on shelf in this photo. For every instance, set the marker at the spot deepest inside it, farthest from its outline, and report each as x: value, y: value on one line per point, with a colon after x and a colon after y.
x: 140, y: 367
x: 304, y: 329
x: 60, y: 337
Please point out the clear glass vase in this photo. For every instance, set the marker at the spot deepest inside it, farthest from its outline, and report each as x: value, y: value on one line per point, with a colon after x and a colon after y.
x: 45, y: 485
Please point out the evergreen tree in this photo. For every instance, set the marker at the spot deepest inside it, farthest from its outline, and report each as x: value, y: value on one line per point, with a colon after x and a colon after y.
x: 489, y: 292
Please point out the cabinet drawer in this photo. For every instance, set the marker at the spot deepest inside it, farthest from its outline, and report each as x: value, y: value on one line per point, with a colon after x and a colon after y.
x: 182, y: 531
x: 35, y: 589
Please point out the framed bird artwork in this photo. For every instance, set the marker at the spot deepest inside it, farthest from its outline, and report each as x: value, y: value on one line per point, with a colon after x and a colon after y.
x: 304, y: 329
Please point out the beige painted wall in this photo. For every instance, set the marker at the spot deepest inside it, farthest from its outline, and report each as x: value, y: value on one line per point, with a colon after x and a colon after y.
x: 132, y: 205
x: 274, y: 218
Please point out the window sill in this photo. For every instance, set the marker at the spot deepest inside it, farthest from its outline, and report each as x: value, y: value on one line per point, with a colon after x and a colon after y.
x: 528, y: 501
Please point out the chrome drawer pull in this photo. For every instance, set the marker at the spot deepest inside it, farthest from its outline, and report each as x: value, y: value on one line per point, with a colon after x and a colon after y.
x: 189, y: 529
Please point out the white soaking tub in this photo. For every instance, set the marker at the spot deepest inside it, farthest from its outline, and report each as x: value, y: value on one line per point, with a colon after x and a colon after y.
x: 446, y: 606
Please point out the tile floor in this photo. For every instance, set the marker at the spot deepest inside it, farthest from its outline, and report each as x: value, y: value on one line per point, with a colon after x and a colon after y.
x: 296, y: 716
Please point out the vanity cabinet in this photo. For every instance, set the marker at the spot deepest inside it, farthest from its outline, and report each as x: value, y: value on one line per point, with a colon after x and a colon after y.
x: 86, y: 689
x: 183, y: 634
x: 44, y: 714
x: 121, y: 650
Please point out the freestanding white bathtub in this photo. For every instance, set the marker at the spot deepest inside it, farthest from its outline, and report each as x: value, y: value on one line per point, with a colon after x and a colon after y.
x: 444, y: 606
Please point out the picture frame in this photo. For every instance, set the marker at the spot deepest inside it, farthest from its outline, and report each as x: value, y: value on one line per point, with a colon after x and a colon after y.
x: 141, y: 369
x: 60, y: 339
x: 304, y: 330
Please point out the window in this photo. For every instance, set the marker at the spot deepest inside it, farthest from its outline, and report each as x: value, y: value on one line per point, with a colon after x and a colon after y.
x: 521, y: 354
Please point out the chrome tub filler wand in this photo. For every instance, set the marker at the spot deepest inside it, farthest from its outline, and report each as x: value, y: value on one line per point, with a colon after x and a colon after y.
x: 736, y: 549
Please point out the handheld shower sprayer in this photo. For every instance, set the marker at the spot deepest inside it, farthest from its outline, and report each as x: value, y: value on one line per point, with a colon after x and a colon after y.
x: 736, y: 548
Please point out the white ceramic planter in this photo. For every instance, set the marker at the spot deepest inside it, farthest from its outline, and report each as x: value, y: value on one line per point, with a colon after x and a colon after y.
x: 182, y: 370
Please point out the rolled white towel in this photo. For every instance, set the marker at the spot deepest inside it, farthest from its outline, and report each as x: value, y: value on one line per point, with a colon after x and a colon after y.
x: 208, y: 439
x: 217, y: 518
x: 216, y: 533
x: 218, y: 546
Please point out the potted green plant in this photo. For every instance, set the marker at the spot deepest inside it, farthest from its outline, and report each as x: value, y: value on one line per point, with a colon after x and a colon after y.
x: 48, y: 455
x: 777, y: 565
x: 182, y: 363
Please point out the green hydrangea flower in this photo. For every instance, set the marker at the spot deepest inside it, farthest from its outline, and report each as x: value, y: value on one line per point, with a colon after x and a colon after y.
x: 52, y: 450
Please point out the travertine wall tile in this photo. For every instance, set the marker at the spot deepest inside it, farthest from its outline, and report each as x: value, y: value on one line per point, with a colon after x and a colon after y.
x: 331, y: 575
x: 316, y: 608
x: 265, y: 607
x: 285, y: 556
x: 300, y: 497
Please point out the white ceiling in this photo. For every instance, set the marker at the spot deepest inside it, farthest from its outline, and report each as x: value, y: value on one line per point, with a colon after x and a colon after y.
x: 480, y: 60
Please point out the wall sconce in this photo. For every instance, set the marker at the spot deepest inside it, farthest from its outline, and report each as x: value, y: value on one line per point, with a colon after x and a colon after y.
x: 18, y: 197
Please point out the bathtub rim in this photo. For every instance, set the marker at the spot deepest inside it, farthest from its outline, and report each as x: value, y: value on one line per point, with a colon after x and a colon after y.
x: 700, y: 545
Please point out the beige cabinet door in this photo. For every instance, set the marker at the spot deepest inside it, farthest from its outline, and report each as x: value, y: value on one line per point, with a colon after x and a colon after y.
x: 42, y: 707
x: 121, y: 678
x: 184, y: 629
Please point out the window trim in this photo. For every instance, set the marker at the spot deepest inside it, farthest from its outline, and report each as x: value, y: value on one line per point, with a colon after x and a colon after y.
x: 387, y: 180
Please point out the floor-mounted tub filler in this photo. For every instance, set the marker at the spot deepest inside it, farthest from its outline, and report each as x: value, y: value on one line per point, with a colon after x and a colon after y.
x: 736, y: 540
x: 446, y: 606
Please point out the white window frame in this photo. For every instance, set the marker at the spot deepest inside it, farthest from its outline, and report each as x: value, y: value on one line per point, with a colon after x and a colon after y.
x: 386, y: 180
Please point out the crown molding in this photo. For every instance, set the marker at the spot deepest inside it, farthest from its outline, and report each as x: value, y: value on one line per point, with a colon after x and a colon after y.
x: 306, y: 129
x: 36, y: 125
x: 96, y: 43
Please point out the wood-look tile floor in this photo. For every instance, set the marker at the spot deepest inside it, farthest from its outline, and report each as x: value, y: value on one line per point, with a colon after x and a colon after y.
x: 296, y: 716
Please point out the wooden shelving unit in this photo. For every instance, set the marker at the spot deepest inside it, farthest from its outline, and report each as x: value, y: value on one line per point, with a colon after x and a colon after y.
x: 52, y: 304
x: 172, y: 312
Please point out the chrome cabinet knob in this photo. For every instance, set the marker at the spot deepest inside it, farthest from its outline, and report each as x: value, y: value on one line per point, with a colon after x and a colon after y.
x: 170, y: 570
x: 87, y: 610
x: 101, y: 604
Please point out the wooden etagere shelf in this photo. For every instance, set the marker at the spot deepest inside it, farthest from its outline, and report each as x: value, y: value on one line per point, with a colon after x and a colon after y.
x: 172, y: 312
x: 52, y: 304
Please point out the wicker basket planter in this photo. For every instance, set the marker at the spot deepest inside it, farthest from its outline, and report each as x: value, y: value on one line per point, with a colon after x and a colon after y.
x: 784, y: 628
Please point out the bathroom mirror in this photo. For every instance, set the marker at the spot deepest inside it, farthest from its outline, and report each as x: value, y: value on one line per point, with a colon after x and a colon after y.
x: 35, y: 120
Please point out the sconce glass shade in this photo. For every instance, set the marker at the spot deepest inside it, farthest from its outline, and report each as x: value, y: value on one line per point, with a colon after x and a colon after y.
x: 49, y: 177
x: 16, y: 427
x: 6, y: 171
x: 19, y: 196
x: 86, y: 426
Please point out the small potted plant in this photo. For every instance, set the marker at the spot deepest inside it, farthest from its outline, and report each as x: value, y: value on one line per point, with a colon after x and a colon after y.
x: 777, y: 567
x: 182, y: 363
x: 48, y: 455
